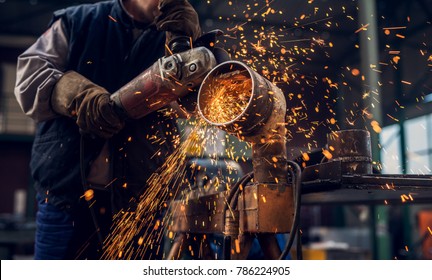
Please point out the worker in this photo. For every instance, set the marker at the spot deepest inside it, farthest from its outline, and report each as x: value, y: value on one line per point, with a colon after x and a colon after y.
x: 89, y: 160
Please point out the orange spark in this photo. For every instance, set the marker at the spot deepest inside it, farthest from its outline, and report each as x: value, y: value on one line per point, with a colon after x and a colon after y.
x: 362, y: 28
x: 111, y: 18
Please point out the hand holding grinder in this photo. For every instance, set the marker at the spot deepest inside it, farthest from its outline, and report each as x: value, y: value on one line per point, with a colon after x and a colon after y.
x: 103, y: 114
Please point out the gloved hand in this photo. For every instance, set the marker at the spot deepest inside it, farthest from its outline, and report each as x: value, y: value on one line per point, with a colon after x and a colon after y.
x: 178, y: 18
x: 76, y: 96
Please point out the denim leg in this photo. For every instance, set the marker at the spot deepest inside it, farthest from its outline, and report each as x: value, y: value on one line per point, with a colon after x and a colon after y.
x: 54, y: 232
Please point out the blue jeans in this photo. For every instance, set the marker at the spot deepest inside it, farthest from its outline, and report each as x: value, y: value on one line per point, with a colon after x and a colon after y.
x: 72, y: 234
x: 54, y: 232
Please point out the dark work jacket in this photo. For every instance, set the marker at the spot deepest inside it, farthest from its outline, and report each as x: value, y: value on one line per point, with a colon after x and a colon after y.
x: 103, y: 49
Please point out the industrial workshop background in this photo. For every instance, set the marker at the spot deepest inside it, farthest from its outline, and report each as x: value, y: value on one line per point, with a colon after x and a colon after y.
x: 337, y: 62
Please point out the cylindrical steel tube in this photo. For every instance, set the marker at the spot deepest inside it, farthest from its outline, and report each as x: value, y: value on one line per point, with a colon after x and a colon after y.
x: 250, y: 109
x: 353, y: 148
x: 253, y: 110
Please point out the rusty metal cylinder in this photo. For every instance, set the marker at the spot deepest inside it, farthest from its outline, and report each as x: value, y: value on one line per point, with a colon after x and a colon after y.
x: 270, y: 163
x: 251, y: 114
x: 353, y: 148
x: 231, y: 223
x: 255, y: 113
x: 253, y: 109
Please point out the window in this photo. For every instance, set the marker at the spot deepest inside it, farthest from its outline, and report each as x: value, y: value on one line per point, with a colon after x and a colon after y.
x: 418, y: 133
x: 417, y: 150
x: 390, y: 150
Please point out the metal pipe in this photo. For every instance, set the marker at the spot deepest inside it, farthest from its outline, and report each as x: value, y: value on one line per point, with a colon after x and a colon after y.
x: 236, y: 99
x: 260, y: 119
x: 353, y: 148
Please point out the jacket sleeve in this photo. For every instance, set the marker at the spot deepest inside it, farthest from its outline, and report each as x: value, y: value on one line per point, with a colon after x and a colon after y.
x: 38, y: 70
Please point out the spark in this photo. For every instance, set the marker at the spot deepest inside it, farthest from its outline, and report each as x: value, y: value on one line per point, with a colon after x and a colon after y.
x: 228, y: 97
x: 355, y: 72
x: 362, y: 28
x: 391, y: 117
x: 394, y: 28
x: 394, y: 52
x: 376, y: 126
x: 327, y: 154
x: 237, y: 246
x: 112, y: 18
x: 88, y: 194
x: 141, y: 223
x: 168, y: 49
x: 405, y: 198
x: 258, y: 47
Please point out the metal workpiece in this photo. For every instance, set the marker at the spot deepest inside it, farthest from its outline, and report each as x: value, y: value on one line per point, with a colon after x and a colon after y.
x: 204, y: 214
x: 165, y: 81
x: 249, y: 209
x: 232, y: 223
x: 266, y: 208
x: 352, y: 147
x: 260, y: 122
x: 269, y: 162
x: 262, y: 208
x: 262, y: 115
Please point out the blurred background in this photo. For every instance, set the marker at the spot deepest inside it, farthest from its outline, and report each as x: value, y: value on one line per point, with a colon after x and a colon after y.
x: 341, y: 64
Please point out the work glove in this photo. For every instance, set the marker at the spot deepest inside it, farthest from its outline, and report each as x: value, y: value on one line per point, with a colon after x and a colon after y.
x: 180, y: 20
x: 76, y: 96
